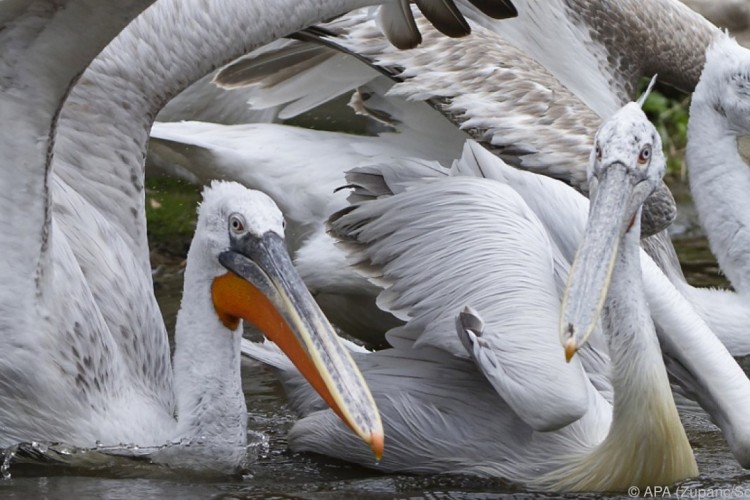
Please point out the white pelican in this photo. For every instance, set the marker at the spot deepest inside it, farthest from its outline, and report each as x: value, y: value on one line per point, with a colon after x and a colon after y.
x: 84, y: 358
x: 719, y: 182
x: 439, y: 413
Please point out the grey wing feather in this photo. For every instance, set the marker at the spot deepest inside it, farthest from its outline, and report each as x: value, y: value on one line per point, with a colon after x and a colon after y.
x: 133, y: 318
x: 496, y: 9
x: 397, y: 22
x: 206, y: 102
x: 272, y: 65
x: 373, y: 181
x: 445, y: 17
x: 32, y: 94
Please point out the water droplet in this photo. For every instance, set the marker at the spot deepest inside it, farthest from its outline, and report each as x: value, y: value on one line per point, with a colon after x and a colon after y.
x: 7, y: 456
x: 40, y: 447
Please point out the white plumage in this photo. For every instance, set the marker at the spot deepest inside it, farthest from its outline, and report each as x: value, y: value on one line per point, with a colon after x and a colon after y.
x: 440, y: 242
x: 85, y: 356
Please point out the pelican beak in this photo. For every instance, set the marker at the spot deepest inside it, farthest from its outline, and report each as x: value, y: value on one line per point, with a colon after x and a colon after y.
x: 614, y: 209
x: 264, y: 288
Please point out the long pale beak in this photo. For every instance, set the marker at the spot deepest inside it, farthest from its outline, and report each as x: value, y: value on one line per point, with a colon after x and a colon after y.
x: 612, y: 212
x: 264, y: 288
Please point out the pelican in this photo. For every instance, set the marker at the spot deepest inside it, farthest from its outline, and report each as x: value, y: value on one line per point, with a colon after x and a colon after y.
x: 85, y: 357
x: 528, y: 118
x: 440, y: 412
x: 719, y: 180
x: 86, y: 385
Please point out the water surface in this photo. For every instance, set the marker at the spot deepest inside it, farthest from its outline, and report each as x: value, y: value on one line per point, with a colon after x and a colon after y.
x: 277, y: 473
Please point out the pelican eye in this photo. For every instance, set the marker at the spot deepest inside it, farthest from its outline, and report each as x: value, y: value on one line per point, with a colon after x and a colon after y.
x: 236, y: 224
x: 645, y: 155
x: 598, y: 152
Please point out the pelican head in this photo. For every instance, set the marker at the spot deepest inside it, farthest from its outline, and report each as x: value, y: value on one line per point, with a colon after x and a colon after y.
x: 725, y: 83
x: 625, y: 167
x: 242, y: 233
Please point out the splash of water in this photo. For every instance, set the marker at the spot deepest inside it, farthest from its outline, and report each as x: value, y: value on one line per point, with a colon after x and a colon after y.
x: 125, y: 459
x: 8, y: 455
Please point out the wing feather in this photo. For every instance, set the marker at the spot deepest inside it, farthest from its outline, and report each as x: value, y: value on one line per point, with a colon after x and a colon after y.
x: 439, y: 246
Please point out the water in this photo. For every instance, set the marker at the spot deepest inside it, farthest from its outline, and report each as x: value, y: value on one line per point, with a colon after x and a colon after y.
x: 277, y: 473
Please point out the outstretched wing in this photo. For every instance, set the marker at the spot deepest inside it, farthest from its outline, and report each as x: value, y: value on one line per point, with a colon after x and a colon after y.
x: 438, y: 246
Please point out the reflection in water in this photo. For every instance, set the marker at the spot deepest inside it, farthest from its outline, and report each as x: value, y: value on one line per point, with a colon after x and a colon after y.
x: 276, y: 472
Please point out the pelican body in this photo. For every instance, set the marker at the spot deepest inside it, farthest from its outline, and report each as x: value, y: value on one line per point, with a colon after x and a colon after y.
x: 85, y: 388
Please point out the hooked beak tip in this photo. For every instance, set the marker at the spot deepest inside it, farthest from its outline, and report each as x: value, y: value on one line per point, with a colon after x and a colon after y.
x: 570, y: 349
x: 377, y: 445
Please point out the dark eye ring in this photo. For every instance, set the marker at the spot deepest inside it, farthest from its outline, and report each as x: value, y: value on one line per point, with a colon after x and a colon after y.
x: 236, y: 224
x: 645, y: 154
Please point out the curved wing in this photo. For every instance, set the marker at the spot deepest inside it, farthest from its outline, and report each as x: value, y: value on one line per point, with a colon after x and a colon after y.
x: 45, y: 302
x: 111, y: 179
x: 439, y: 246
x: 556, y: 206
x: 37, y: 71
x: 101, y: 144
